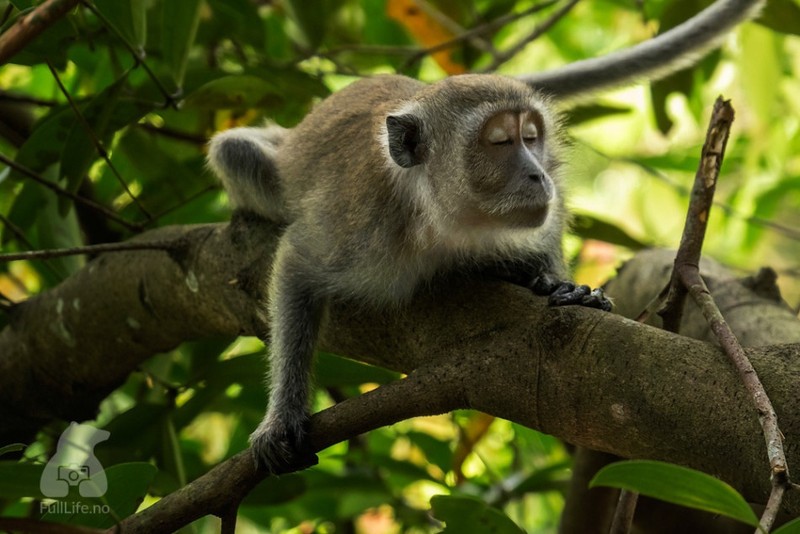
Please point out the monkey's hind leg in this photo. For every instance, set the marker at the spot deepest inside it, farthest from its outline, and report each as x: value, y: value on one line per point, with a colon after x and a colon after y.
x: 279, y: 443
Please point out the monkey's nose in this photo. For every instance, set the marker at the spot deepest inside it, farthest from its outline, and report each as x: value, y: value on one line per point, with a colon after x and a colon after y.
x: 535, y: 177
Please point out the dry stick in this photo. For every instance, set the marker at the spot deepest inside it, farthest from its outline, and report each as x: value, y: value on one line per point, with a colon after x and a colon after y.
x: 98, y: 145
x: 686, y: 278
x: 31, y: 25
x: 766, y: 413
x: 535, y: 34
x: 69, y: 194
x: 702, y: 197
x: 623, y: 514
x: 87, y: 249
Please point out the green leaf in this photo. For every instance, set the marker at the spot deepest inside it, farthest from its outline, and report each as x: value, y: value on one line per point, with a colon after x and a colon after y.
x: 544, y: 479
x: 792, y: 527
x: 22, y: 4
x: 782, y: 16
x: 467, y: 515
x: 310, y: 16
x: 13, y: 447
x: 585, y: 113
x: 18, y: 480
x: 79, y: 149
x: 105, y: 115
x: 760, y: 68
x: 180, y: 19
x: 235, y: 92
x: 590, y: 227
x: 678, y: 485
x: 58, y: 228
x: 127, y: 486
x: 128, y: 17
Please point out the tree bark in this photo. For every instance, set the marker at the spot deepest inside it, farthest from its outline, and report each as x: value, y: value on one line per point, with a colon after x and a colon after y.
x: 754, y: 311
x: 591, y: 378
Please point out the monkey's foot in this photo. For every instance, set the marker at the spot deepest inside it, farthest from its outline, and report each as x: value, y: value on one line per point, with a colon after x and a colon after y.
x: 565, y: 293
x: 280, y: 448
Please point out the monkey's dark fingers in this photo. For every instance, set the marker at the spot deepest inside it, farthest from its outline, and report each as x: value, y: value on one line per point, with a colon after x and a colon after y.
x: 545, y: 284
x: 568, y: 293
x: 597, y: 299
x: 282, y: 450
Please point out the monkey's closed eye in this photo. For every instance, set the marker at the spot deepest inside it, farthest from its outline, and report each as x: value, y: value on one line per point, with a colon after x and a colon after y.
x: 530, y: 133
x: 505, y: 142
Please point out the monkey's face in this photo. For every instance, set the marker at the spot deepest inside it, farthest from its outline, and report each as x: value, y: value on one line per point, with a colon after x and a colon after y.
x: 483, y: 148
x: 507, y: 176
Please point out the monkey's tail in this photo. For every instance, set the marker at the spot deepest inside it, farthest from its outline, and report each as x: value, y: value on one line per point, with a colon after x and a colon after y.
x: 656, y: 58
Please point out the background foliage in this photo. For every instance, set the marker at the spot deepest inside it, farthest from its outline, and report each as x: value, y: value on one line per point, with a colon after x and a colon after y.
x: 150, y: 80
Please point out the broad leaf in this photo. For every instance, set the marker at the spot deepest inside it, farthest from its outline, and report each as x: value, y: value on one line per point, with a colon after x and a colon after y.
x: 179, y: 28
x: 678, y: 485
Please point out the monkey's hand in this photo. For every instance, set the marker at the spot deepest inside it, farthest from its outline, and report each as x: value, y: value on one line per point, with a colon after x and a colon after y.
x: 280, y: 445
x: 564, y: 293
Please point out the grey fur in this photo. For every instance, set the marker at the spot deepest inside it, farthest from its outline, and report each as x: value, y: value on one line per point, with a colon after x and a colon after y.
x: 390, y: 182
x: 671, y: 51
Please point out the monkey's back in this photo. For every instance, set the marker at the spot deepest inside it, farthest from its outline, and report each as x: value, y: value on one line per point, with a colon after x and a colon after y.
x: 344, y: 206
x: 340, y: 134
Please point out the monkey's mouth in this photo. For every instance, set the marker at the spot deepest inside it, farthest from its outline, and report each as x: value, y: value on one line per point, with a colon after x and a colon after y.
x: 525, y: 216
x: 522, y: 209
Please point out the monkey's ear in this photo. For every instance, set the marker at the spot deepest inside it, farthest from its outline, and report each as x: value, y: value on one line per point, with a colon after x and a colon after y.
x: 405, y: 139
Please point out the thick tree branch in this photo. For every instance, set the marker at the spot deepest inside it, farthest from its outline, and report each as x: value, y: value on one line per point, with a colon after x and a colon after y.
x: 591, y: 378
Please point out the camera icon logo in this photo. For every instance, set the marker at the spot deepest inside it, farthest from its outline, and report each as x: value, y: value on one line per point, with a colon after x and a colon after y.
x: 74, y: 464
x: 73, y: 474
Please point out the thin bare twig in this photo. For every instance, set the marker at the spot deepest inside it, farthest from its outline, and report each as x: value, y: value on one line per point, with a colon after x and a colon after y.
x: 541, y: 29
x: 187, y: 137
x: 98, y: 145
x: 686, y: 279
x: 766, y: 413
x: 134, y: 227
x: 29, y: 26
x: 623, y: 515
x: 87, y: 249
x: 702, y: 197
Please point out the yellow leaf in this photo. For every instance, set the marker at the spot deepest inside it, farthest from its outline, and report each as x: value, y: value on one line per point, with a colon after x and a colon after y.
x: 426, y: 30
